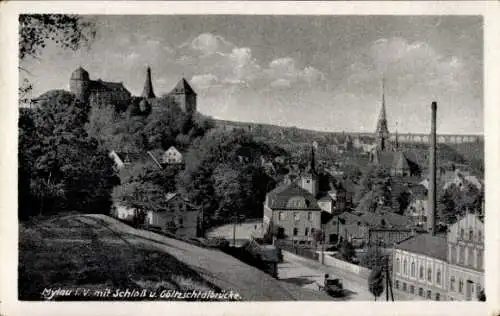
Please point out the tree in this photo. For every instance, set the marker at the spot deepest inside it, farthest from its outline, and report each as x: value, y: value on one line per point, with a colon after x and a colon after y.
x: 67, y: 31
x: 376, y: 282
x: 63, y: 167
x: 347, y: 251
x: 481, y: 296
x: 372, y: 258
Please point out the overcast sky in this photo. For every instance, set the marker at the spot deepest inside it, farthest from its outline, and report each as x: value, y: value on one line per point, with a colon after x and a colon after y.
x: 319, y: 72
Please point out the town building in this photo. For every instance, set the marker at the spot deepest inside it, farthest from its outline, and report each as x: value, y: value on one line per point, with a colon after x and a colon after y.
x: 180, y: 217
x: 364, y: 228
x: 420, y: 266
x: 466, y: 258
x: 171, y: 156
x: 417, y: 209
x: 291, y: 210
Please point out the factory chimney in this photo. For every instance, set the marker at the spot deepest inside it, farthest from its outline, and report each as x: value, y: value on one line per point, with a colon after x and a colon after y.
x: 431, y: 209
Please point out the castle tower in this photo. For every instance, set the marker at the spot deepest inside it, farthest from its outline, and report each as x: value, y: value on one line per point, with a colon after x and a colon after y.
x: 79, y: 84
x: 309, y: 180
x: 382, y: 132
x: 148, y: 92
x: 184, y: 96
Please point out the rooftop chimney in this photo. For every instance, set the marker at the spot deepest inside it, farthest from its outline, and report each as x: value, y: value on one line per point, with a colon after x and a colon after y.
x: 431, y: 209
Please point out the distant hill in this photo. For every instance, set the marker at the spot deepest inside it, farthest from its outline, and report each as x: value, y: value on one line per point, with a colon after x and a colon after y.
x: 295, y: 139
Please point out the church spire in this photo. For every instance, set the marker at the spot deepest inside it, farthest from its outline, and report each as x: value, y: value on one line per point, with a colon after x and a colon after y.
x: 148, y: 86
x: 382, y: 132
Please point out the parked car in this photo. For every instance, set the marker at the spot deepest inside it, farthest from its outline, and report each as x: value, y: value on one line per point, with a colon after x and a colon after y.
x: 333, y: 287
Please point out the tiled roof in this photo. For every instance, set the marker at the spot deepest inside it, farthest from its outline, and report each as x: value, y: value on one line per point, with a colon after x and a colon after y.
x: 426, y: 244
x: 279, y: 197
x: 107, y: 85
x: 182, y: 87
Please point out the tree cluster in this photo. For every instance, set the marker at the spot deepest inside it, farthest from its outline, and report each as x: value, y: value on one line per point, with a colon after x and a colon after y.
x: 61, y: 168
x: 223, y: 175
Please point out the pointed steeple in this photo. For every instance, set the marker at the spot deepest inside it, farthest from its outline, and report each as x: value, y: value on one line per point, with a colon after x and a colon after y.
x: 382, y: 132
x: 311, y: 168
x: 147, y: 92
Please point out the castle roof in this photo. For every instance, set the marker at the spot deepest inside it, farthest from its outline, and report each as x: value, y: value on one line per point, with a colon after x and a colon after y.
x: 99, y: 85
x: 148, y: 92
x: 80, y: 74
x: 182, y: 87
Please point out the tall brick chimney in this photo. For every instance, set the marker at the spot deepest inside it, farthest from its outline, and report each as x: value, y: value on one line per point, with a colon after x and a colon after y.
x: 431, y: 209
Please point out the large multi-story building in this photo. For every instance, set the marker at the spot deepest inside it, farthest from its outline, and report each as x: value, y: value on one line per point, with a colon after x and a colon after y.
x: 291, y: 210
x: 441, y: 267
x: 420, y: 267
x: 466, y: 258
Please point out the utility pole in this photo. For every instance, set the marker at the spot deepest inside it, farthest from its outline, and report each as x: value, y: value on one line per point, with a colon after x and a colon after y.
x: 234, y: 230
x: 322, y: 236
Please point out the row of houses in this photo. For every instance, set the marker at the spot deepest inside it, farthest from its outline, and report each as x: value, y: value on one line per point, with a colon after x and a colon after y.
x: 180, y: 217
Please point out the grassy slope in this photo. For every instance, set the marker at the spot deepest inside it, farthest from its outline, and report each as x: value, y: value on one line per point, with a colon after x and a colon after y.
x: 97, y: 251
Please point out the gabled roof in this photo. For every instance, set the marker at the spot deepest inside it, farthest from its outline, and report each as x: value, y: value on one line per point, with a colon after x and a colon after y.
x: 279, y: 198
x: 107, y: 85
x: 426, y: 244
x: 182, y: 87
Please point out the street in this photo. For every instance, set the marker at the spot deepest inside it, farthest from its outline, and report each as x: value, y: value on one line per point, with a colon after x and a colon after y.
x: 308, y: 273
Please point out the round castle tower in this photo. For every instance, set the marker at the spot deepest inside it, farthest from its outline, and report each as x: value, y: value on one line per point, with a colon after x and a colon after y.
x: 79, y: 84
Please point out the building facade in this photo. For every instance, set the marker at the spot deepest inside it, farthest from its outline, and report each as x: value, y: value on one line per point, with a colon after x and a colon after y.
x: 420, y: 267
x: 466, y: 258
x: 292, y: 212
x: 171, y: 156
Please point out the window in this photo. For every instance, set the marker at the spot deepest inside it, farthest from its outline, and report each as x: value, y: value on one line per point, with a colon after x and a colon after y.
x: 404, y: 286
x: 307, y: 231
x: 295, y: 231
x: 413, y: 269
x: 420, y: 291
x: 308, y: 181
x: 479, y: 258
x: 479, y: 236
x: 281, y: 216
x: 460, y: 286
x: 471, y: 234
x: 312, y: 230
x: 438, y: 296
x: 412, y: 289
x: 421, y: 272
x: 462, y: 233
x: 180, y: 221
x: 438, y: 277
x: 398, y: 267
x: 429, y: 294
x: 461, y: 255
x: 470, y: 256
x: 404, y: 267
x: 429, y: 274
x: 309, y: 216
x: 452, y: 283
x: 396, y: 284
x: 453, y: 254
x: 296, y: 216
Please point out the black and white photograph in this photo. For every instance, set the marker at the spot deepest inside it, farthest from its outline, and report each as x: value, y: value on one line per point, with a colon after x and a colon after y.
x: 249, y: 158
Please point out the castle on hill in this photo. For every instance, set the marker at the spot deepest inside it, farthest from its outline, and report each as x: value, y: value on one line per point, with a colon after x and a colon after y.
x: 105, y: 92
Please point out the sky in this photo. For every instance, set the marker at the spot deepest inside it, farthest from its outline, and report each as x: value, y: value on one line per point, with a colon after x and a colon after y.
x: 315, y: 72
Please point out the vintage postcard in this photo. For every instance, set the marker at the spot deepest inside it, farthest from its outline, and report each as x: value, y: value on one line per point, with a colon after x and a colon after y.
x: 231, y: 153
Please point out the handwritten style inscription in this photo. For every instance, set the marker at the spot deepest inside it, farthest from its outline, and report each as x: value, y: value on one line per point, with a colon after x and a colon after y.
x: 124, y: 294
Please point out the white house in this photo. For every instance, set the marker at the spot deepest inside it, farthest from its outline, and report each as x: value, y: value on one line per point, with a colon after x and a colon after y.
x: 171, y: 156
x: 180, y: 217
x: 123, y: 212
x: 119, y: 164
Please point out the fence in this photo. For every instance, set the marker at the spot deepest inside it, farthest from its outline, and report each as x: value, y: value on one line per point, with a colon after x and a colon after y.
x: 346, y: 266
x: 301, y: 250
